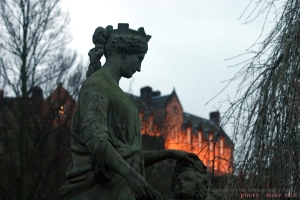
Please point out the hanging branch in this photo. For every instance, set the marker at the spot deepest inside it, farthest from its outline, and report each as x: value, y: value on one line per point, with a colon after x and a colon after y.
x: 265, y: 115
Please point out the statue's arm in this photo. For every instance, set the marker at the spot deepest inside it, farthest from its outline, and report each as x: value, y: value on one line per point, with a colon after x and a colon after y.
x: 152, y: 157
x: 104, y: 157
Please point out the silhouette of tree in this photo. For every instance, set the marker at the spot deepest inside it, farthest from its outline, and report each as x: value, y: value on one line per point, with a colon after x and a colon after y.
x: 265, y: 113
x: 33, y: 130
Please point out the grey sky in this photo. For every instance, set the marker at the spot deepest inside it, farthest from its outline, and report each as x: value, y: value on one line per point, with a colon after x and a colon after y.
x: 190, y: 42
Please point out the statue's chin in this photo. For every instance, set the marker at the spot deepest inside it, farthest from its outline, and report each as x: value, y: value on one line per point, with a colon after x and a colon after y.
x: 127, y: 75
x: 182, y: 195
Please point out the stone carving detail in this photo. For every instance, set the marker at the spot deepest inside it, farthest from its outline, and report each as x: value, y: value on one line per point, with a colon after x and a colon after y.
x: 190, y: 181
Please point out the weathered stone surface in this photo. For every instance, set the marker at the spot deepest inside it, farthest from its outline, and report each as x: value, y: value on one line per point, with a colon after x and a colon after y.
x: 190, y: 181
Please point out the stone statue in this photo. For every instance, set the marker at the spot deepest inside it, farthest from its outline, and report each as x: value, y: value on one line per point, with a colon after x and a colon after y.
x: 108, y: 160
x: 190, y: 181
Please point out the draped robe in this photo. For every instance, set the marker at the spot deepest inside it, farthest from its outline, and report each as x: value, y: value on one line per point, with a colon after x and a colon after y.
x: 104, y: 114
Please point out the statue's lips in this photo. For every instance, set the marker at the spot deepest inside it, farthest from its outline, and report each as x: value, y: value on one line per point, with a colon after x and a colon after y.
x: 180, y: 187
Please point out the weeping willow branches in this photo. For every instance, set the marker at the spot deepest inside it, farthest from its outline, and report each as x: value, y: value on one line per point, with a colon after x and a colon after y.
x: 266, y: 114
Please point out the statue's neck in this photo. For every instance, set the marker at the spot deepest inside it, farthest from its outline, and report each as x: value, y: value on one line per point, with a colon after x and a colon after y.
x: 112, y: 72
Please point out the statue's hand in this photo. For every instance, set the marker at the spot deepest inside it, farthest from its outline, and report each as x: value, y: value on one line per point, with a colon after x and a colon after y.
x: 139, y: 187
x: 183, y: 155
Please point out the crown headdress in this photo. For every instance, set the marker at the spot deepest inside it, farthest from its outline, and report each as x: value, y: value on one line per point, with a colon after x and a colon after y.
x: 123, y: 28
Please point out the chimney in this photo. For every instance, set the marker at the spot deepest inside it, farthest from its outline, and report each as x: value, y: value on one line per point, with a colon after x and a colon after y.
x: 155, y: 93
x: 146, y: 95
x: 36, y: 99
x: 215, y: 117
x: 60, y: 85
x: 37, y: 93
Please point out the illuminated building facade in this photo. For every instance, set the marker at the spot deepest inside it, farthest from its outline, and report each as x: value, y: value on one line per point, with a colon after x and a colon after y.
x: 163, y: 116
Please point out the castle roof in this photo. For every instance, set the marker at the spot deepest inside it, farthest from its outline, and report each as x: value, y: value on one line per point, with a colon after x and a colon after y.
x: 208, y: 126
x: 158, y: 101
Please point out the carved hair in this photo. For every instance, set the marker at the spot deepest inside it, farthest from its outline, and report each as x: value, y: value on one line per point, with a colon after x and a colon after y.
x: 202, y: 178
x: 128, y: 44
x: 114, y: 42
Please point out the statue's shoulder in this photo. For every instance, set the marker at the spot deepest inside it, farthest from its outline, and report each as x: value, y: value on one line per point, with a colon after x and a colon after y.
x: 97, y: 81
x: 94, y: 85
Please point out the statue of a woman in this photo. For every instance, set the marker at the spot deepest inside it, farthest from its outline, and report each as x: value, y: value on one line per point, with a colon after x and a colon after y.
x: 108, y: 160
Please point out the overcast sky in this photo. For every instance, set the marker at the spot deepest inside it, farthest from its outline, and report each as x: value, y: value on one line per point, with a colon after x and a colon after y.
x: 190, y: 43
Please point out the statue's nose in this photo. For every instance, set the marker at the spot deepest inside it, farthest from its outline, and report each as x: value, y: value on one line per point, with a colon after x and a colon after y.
x: 180, y: 181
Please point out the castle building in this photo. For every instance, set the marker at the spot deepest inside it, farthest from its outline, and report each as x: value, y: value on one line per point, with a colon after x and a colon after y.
x: 163, y: 117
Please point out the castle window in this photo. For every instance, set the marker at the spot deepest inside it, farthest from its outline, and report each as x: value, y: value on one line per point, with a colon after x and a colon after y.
x: 215, y: 165
x: 61, y: 110
x: 210, y: 142
x: 177, y: 135
x: 175, y: 110
x: 150, y: 128
x: 173, y: 132
x: 199, y: 139
x: 189, y: 132
x: 221, y: 145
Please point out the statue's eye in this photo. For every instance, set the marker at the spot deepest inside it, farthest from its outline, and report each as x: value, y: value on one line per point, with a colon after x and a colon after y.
x: 188, y: 178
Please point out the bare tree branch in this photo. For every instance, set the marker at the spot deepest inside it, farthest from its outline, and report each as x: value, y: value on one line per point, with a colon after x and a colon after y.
x: 265, y: 113
x: 34, y: 59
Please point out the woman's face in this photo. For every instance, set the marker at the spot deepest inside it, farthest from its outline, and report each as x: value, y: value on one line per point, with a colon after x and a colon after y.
x: 186, y: 185
x: 131, y: 64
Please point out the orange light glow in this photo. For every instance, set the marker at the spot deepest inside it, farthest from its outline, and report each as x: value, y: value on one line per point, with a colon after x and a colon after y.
x: 207, y: 151
x: 61, y: 110
x: 215, y: 155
